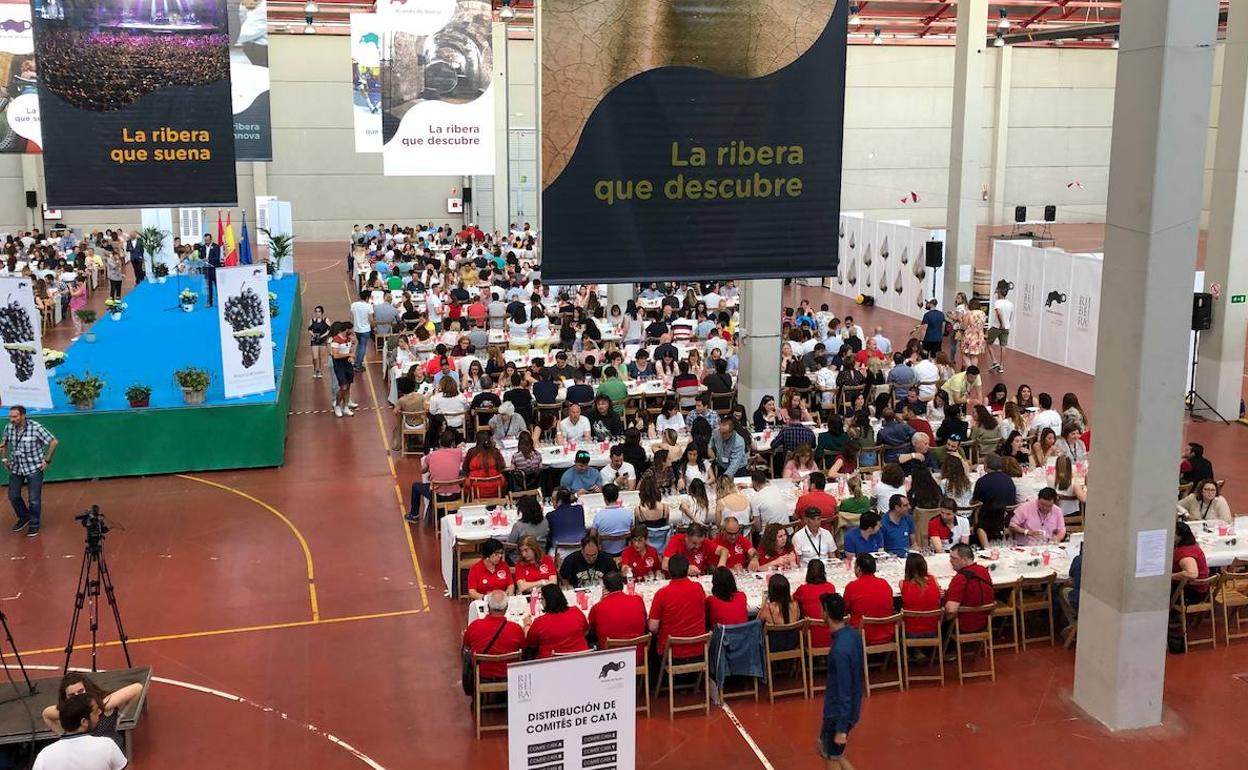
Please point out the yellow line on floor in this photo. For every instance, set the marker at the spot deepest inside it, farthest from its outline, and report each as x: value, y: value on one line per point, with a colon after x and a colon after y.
x: 303, y: 543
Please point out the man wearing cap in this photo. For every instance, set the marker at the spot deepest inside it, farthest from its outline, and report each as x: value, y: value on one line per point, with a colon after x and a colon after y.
x: 812, y: 541
x: 580, y: 477
x: 951, y: 448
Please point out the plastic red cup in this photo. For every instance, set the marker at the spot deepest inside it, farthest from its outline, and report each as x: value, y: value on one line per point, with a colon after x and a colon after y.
x: 582, y: 601
x: 459, y: 519
x: 1045, y: 558
x: 1222, y: 530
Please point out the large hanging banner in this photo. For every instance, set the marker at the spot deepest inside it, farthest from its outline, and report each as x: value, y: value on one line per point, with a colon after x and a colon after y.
x: 246, y: 330
x: 136, y: 99
x: 1028, y: 299
x: 249, y: 79
x: 437, y: 94
x: 1085, y: 311
x: 573, y: 713
x: 366, y: 35
x: 23, y: 377
x: 700, y: 140
x: 19, y: 87
x: 1055, y: 297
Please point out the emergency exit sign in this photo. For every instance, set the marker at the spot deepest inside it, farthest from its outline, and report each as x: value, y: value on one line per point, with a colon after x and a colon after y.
x: 1239, y: 299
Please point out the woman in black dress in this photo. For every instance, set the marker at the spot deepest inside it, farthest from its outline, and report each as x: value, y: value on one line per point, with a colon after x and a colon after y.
x: 319, y: 328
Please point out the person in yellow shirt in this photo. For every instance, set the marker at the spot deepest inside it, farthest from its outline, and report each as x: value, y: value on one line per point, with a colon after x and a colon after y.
x: 965, y: 386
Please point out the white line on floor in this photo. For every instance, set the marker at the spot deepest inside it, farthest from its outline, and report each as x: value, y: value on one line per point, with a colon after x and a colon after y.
x: 749, y: 739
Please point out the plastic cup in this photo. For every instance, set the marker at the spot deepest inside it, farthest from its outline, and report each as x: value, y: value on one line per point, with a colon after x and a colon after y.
x: 1222, y: 531
x: 1045, y: 557
x: 582, y: 601
x: 459, y: 519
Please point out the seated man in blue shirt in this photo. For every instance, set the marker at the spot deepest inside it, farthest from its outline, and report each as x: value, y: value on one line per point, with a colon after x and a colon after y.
x: 580, y: 477
x: 897, y: 527
x: 614, y: 520
x: 866, y: 537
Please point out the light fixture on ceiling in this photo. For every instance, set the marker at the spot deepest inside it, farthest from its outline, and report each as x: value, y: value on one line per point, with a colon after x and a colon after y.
x: 310, y: 8
x: 854, y: 18
x: 507, y: 12
x: 999, y: 42
x: 308, y: 27
x: 1115, y: 45
x: 1004, y: 23
x: 877, y: 40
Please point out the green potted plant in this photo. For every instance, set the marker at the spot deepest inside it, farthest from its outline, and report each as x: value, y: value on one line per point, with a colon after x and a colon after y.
x: 273, y: 306
x: 161, y: 271
x: 188, y: 299
x: 115, y: 308
x: 82, y: 391
x: 194, y: 382
x: 153, y: 241
x: 87, y: 316
x: 139, y: 395
x: 281, y: 246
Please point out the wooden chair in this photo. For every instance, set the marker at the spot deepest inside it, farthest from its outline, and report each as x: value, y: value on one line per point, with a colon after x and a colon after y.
x: 813, y: 656
x: 1231, y: 595
x: 672, y: 670
x: 1007, y: 610
x: 921, y: 518
x: 984, y: 637
x: 1189, y: 613
x: 481, y: 417
x: 465, y: 554
x: 1185, y: 489
x: 971, y: 512
x: 441, y: 508
x: 846, y: 395
x: 771, y: 657
x: 870, y: 459
x: 1036, y: 595
x: 482, y: 688
x: 640, y: 643
x: 934, y: 643
x: 554, y: 412
x: 887, y: 648
x: 621, y: 540
x: 514, y: 495
x: 723, y: 403
x: 413, y: 426
x: 472, y: 488
x: 1072, y: 628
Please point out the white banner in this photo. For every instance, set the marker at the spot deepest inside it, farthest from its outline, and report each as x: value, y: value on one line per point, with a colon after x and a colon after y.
x: 1055, y: 306
x: 1028, y: 301
x: 1085, y: 312
x: 853, y: 252
x: 162, y: 220
x: 918, y: 275
x: 573, y: 713
x: 19, y: 98
x: 366, y: 36
x: 886, y: 251
x: 437, y: 89
x: 277, y: 217
x: 23, y: 377
x: 246, y: 330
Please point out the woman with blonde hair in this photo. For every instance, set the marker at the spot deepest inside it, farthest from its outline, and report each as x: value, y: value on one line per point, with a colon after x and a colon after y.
x: 971, y: 345
x: 450, y: 404
x: 729, y: 501
x: 801, y: 463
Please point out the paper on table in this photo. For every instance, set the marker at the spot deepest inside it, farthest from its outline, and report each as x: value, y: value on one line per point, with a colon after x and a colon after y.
x: 1150, y: 553
x: 1241, y: 526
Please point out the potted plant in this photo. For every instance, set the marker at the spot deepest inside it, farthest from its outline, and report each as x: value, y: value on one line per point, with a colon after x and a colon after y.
x: 273, y: 307
x: 194, y: 382
x: 115, y: 308
x: 161, y: 271
x: 138, y: 395
x: 188, y: 299
x: 281, y: 246
x: 153, y: 241
x: 82, y: 391
x: 87, y: 316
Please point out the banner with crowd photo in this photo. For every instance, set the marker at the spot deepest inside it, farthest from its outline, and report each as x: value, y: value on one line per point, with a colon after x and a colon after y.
x: 249, y: 79
x: 19, y: 85
x: 23, y: 376
x: 246, y: 330
x: 437, y: 90
x: 701, y: 140
x: 366, y: 34
x: 136, y: 99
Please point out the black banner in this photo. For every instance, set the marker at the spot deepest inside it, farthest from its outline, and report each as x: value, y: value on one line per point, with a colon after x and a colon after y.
x: 703, y: 141
x: 135, y: 103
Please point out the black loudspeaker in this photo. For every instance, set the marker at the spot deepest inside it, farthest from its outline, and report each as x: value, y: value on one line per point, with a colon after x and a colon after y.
x: 1020, y: 214
x: 32, y: 199
x: 467, y: 195
x: 935, y: 252
x: 1050, y: 213
x: 1202, y: 311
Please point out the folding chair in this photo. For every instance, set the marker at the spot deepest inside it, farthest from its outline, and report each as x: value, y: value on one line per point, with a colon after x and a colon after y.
x: 933, y: 643
x: 1189, y: 613
x: 984, y: 637
x: 641, y: 643
x: 771, y: 656
x: 692, y: 666
x: 1036, y: 595
x: 892, y: 647
x: 1232, y: 597
x: 485, y: 687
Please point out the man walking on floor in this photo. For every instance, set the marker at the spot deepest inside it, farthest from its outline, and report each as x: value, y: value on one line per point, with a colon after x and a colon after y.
x: 842, y: 701
x: 27, y: 448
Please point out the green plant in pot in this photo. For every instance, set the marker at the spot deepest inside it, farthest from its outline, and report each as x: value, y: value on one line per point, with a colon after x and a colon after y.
x: 153, y: 241
x: 194, y: 382
x: 281, y: 246
x: 139, y: 395
x: 161, y: 271
x: 87, y: 316
x: 82, y: 391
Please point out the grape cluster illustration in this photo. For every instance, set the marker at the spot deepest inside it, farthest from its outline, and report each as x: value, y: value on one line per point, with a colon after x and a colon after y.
x: 245, y: 314
x: 18, y: 334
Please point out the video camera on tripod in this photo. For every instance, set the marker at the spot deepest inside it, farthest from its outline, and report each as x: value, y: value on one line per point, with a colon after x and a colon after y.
x: 94, y: 522
x: 93, y: 579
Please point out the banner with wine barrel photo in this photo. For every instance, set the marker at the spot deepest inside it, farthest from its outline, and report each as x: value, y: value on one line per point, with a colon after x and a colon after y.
x: 23, y: 376
x: 246, y: 330
x: 136, y: 98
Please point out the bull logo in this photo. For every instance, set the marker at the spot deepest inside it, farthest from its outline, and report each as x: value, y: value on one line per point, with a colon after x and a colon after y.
x: 614, y: 665
x: 1054, y: 298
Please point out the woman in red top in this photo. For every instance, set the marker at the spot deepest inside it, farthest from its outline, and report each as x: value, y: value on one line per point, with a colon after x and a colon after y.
x: 639, y: 559
x: 484, y: 466
x: 1189, y: 562
x: 807, y: 597
x: 534, y: 568
x: 726, y: 605
x: 489, y: 574
x: 774, y: 551
x: 560, y: 629
x: 919, y: 593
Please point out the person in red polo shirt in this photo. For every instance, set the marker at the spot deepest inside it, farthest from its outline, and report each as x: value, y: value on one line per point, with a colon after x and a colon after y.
x: 494, y: 634
x: 700, y: 554
x: 817, y: 498
x: 639, y: 559
x: 871, y: 597
x: 618, y: 615
x: 678, y: 609
x: 534, y: 568
x: 560, y: 628
x: 490, y: 574
x: 970, y: 587
x: 808, y: 597
x: 739, y: 551
x: 726, y: 605
x: 919, y: 593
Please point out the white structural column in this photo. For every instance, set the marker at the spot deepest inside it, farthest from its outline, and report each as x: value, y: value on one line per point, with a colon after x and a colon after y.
x: 1219, y: 380
x: 619, y: 294
x: 502, y: 116
x: 1001, y: 134
x: 1161, y: 115
x: 962, y: 207
x: 759, y: 351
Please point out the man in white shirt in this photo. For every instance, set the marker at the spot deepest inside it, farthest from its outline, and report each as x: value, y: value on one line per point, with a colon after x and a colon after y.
x: 574, y: 427
x: 433, y: 305
x: 362, y: 325
x: 767, y: 504
x: 884, y: 344
x: 999, y: 323
x: 812, y: 541
x: 1047, y: 417
x: 713, y: 299
x: 618, y: 472
x: 926, y: 371
x: 948, y: 529
x: 77, y: 749
x: 715, y: 341
x: 825, y: 382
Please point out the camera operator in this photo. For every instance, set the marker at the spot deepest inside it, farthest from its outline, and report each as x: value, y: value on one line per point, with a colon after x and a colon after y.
x: 77, y: 749
x: 27, y: 448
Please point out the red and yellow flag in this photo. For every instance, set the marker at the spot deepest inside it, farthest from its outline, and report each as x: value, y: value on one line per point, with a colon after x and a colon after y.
x: 229, y: 246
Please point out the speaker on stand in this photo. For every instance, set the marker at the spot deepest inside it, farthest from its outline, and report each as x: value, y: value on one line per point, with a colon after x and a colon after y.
x: 934, y: 257
x: 1202, y: 320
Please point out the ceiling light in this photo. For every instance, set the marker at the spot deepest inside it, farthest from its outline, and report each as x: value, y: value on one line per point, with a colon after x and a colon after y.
x: 1004, y: 23
x: 877, y: 40
x: 999, y: 42
x: 308, y: 27
x: 310, y: 8
x: 854, y: 18
x: 1115, y: 45
x: 507, y: 12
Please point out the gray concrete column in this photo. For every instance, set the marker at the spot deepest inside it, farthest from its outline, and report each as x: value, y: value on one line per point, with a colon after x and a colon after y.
x: 1161, y: 115
x: 1219, y: 379
x: 502, y: 120
x: 759, y: 351
x: 962, y: 206
x: 619, y: 294
x: 1000, y: 133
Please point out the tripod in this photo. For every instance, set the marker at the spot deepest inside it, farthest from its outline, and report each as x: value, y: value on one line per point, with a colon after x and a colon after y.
x: 94, y: 576
x: 1192, y: 396
x: 8, y: 635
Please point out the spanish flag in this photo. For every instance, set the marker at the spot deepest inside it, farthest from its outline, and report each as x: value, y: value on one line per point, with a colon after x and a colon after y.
x: 229, y: 246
